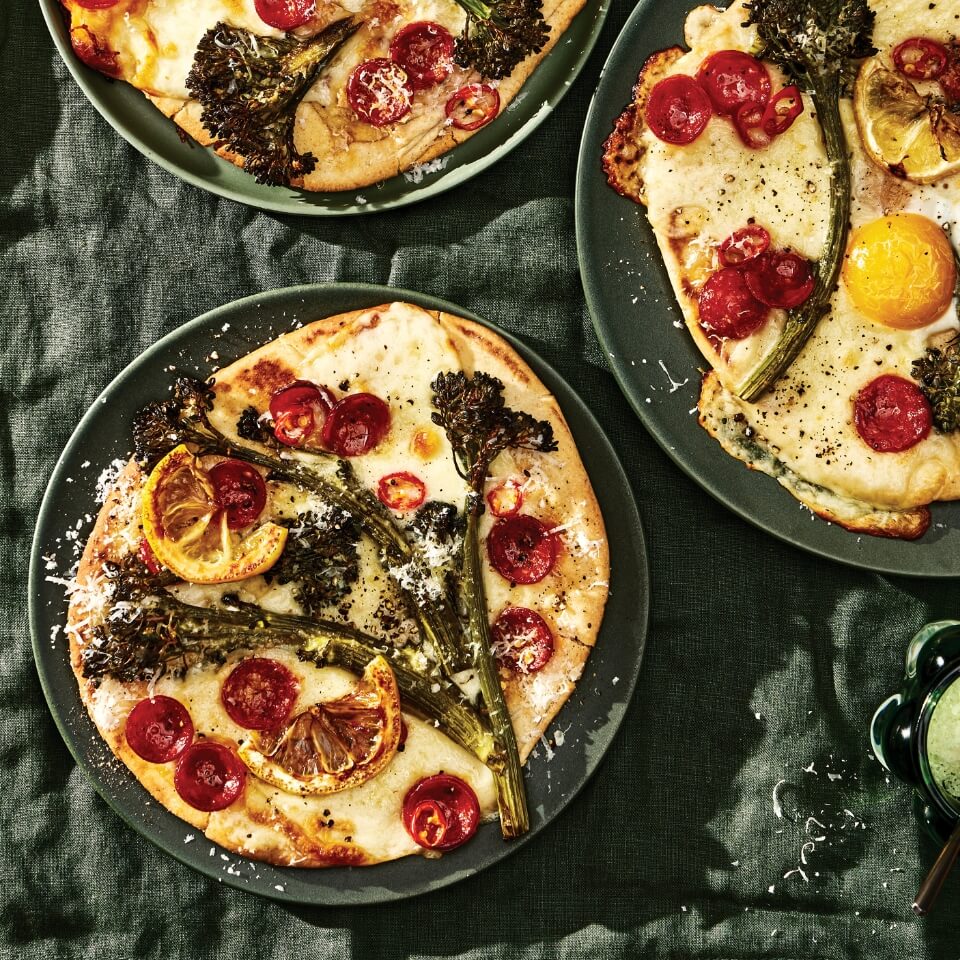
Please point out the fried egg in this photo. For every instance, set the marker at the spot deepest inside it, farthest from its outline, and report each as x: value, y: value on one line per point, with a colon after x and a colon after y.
x: 896, y: 295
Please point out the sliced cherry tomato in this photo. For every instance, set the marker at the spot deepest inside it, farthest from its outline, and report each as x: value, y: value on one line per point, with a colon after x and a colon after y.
x: 732, y: 78
x: 523, y: 641
x: 678, y: 110
x: 744, y: 245
x: 920, y: 58
x: 159, y: 729
x: 522, y: 549
x: 148, y: 557
x: 748, y: 122
x: 473, y: 106
x: 401, y: 491
x: 891, y: 414
x: 259, y: 693
x: 779, y: 278
x: 356, y: 424
x: 285, y: 14
x: 97, y: 4
x: 299, y: 411
x: 782, y: 110
x: 94, y: 52
x: 505, y: 499
x: 950, y: 78
x: 239, y: 490
x: 380, y: 91
x: 441, y: 812
x: 727, y: 307
x: 425, y: 51
x: 209, y: 775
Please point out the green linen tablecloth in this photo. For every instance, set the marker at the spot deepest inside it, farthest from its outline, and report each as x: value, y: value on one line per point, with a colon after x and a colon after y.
x: 763, y: 664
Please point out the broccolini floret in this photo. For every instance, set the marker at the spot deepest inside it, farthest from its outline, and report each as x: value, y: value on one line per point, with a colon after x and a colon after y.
x: 499, y: 35
x: 249, y: 88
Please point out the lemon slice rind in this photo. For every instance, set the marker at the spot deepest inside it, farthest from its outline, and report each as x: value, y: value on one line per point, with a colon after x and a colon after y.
x: 377, y: 674
x: 909, y: 135
x: 228, y: 558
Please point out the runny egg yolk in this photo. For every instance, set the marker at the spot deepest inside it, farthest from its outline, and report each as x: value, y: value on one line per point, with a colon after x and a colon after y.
x: 900, y: 271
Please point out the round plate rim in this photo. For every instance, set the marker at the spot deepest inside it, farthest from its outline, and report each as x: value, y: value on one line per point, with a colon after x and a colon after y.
x: 305, y: 203
x: 596, y: 128
x: 376, y: 294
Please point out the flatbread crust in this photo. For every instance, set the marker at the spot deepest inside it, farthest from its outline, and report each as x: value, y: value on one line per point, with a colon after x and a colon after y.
x: 351, y: 154
x: 270, y: 825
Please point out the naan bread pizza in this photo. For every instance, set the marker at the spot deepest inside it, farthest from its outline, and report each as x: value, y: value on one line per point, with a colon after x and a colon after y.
x: 341, y: 590
x: 316, y: 94
x: 800, y: 166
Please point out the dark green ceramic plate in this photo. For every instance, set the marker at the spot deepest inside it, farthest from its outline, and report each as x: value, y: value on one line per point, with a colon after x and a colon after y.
x: 136, y: 119
x: 592, y: 714
x: 636, y: 317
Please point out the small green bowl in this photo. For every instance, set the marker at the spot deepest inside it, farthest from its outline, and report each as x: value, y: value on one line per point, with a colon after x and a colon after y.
x: 901, y: 725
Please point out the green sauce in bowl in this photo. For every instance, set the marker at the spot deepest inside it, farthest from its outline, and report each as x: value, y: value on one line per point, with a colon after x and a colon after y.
x: 943, y: 744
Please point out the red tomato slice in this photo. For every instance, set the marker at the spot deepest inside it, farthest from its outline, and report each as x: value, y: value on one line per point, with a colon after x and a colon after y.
x: 441, y: 812
x: 779, y: 278
x: 159, y: 729
x: 950, y: 78
x: 239, y: 490
x: 285, y: 14
x: 523, y: 641
x: 891, y: 414
x: 380, y: 91
x: 505, y: 499
x: 401, y: 491
x: 94, y: 52
x: 425, y: 51
x: 522, y: 549
x: 299, y: 411
x: 744, y: 245
x: 356, y: 425
x: 678, y: 110
x: 97, y: 4
x: 727, y: 307
x: 920, y: 58
x: 209, y: 775
x: 748, y: 122
x: 473, y: 106
x: 732, y: 78
x: 149, y: 558
x: 259, y: 693
x: 782, y: 110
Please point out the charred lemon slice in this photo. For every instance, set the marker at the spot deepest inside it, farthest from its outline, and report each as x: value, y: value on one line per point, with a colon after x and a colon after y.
x: 189, y: 532
x: 334, y: 745
x: 912, y: 136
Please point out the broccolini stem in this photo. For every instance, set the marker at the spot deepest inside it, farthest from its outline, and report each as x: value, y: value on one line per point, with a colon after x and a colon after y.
x: 438, y: 624
x: 477, y: 7
x: 511, y: 794
x: 802, y: 321
x: 339, y: 645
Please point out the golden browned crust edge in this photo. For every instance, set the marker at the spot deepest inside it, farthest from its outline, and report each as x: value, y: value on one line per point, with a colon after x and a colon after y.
x: 907, y: 524
x: 624, y: 150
